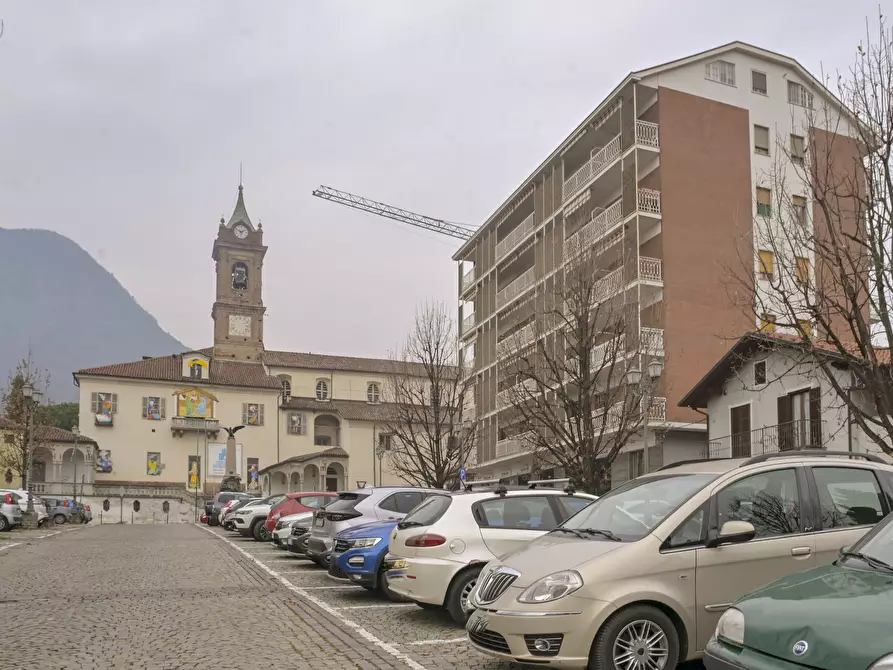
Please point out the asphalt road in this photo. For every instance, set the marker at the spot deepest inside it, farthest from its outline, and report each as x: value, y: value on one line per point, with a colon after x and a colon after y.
x: 183, y: 596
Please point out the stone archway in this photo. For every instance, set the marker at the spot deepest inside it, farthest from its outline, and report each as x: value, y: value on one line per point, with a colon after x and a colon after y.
x: 335, y: 477
x: 294, y: 483
x: 41, y: 465
x: 279, y: 483
x: 311, y: 478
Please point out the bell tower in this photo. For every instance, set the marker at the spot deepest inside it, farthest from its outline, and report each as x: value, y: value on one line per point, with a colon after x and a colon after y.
x: 238, y: 311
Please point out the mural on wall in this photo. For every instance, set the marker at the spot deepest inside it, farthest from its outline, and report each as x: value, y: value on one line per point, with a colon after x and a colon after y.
x: 195, y: 403
x: 252, y: 414
x: 104, y: 461
x: 194, y: 477
x: 217, y: 459
x: 153, y: 408
x: 104, y: 405
x: 154, y: 466
x: 253, y: 467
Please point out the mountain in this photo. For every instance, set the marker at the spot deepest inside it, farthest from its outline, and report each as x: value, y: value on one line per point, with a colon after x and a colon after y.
x: 71, y: 310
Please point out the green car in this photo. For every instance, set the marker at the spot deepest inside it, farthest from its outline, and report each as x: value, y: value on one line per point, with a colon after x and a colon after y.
x: 836, y: 617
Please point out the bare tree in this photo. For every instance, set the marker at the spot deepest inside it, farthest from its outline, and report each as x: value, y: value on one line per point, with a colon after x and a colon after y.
x: 823, y: 272
x: 428, y: 433
x: 575, y: 382
x: 17, y: 441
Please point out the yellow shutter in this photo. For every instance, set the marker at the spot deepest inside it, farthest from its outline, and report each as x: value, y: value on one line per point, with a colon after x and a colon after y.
x: 802, y: 270
x: 767, y: 323
x: 806, y: 327
x: 767, y: 263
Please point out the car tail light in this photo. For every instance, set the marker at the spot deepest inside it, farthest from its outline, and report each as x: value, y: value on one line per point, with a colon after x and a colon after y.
x: 64, y: 503
x: 9, y: 499
x: 426, y: 540
x: 88, y: 508
x: 340, y: 516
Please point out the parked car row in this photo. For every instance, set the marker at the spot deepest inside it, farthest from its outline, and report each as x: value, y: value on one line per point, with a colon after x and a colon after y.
x: 14, y: 502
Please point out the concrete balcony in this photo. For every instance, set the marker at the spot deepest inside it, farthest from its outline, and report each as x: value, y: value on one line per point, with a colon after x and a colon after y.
x: 467, y: 280
x: 648, y: 201
x: 507, y: 397
x: 189, y: 424
x: 516, y: 341
x: 514, y: 238
x: 516, y: 287
x: 791, y: 436
x: 652, y: 341
x: 518, y: 444
x: 604, y: 353
x: 647, y: 134
x: 468, y: 324
x: 603, y: 220
x: 591, y: 169
x: 650, y: 269
x: 657, y: 413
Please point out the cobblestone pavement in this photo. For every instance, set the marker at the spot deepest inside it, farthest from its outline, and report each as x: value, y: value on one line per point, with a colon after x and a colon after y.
x: 157, y: 597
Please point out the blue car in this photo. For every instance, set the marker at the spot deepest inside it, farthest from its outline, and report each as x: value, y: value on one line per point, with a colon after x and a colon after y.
x: 358, y: 555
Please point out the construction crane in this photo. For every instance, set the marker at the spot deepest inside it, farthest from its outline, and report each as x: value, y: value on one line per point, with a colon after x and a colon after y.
x: 455, y: 230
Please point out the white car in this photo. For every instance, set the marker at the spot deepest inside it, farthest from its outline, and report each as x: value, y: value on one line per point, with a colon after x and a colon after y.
x: 438, y: 550
x: 249, y: 520
x: 284, y: 526
x: 39, y: 505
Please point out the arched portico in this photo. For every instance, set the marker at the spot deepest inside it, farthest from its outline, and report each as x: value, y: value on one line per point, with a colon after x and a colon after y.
x: 319, y: 471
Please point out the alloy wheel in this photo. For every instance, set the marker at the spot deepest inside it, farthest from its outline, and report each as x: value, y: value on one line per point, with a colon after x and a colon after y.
x: 641, y: 645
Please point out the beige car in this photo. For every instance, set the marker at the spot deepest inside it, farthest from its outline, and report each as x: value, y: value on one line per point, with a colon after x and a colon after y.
x: 639, y: 578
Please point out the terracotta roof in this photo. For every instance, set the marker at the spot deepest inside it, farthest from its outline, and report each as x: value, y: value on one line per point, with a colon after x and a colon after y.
x: 49, y: 433
x: 382, y: 366
x: 170, y: 368
x: 746, y: 347
x: 333, y: 452
x: 352, y: 410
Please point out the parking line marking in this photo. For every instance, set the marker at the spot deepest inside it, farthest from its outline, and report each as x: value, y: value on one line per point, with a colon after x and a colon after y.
x: 10, y: 546
x: 372, y: 607
x: 362, y: 632
x: 421, y: 642
x: 320, y: 588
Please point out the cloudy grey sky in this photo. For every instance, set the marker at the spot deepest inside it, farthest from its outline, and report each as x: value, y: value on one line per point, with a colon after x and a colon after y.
x: 122, y: 125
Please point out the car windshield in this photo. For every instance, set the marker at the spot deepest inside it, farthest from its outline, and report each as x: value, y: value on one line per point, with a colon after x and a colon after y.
x: 428, y: 513
x: 346, y: 502
x: 876, y: 548
x: 635, y: 509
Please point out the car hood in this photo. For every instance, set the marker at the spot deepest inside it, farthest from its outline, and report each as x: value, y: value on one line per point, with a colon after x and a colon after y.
x: 374, y: 529
x: 841, y: 613
x: 254, y: 509
x: 553, y: 552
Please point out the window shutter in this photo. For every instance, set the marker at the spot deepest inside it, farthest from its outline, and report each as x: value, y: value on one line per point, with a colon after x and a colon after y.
x: 161, y: 407
x: 815, y: 417
x: 114, y: 403
x: 94, y: 403
x: 260, y: 415
x: 145, y: 407
x: 785, y: 416
x: 244, y: 413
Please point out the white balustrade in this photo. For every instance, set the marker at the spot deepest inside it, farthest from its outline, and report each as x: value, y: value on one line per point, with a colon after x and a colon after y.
x: 515, y: 237
x: 603, y: 354
x: 652, y: 341
x: 592, y: 168
x: 650, y: 269
x: 517, y: 340
x: 515, y: 445
x: 468, y: 323
x: 467, y: 280
x: 602, y: 221
x: 648, y: 201
x: 657, y: 411
x: 646, y: 133
x: 525, y: 281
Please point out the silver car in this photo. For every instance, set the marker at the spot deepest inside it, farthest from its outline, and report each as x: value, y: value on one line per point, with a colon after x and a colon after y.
x: 351, y: 508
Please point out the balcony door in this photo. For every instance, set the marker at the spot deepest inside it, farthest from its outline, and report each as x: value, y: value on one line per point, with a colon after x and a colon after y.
x: 799, y: 420
x: 740, y: 421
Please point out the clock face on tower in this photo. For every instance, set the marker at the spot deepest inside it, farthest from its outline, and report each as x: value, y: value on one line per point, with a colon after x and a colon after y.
x: 241, y: 231
x: 239, y: 325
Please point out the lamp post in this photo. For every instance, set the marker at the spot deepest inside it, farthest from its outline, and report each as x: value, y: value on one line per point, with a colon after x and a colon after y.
x: 31, y: 397
x: 647, y: 385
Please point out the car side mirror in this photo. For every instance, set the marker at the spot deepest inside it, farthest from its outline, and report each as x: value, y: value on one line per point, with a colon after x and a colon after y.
x: 843, y: 550
x: 732, y: 532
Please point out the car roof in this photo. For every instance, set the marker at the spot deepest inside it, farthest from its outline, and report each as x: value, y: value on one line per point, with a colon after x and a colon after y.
x: 720, y: 466
x: 301, y: 494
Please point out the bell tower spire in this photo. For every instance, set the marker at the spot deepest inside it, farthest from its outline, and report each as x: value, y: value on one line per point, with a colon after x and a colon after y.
x: 239, y: 309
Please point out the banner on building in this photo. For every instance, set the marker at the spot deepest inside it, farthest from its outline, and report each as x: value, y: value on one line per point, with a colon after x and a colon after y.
x: 217, y: 459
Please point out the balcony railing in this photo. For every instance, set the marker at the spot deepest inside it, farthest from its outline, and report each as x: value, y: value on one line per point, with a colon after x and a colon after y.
x: 515, y: 237
x: 517, y: 340
x: 518, y: 444
x: 652, y: 341
x: 468, y: 280
x: 522, y: 391
x: 804, y: 434
x: 646, y: 133
x: 468, y: 323
x: 525, y: 281
x: 603, y: 354
x: 648, y: 201
x: 591, y: 168
x: 602, y: 221
x: 182, y: 424
x: 657, y: 413
x: 650, y: 269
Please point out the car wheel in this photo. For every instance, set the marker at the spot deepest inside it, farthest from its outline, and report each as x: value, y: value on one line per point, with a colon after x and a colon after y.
x: 59, y: 519
x: 457, y: 597
x: 641, y: 635
x: 260, y: 532
x: 383, y: 586
x: 4, y: 524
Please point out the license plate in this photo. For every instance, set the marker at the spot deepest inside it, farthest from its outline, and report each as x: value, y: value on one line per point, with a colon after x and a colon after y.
x: 320, y: 522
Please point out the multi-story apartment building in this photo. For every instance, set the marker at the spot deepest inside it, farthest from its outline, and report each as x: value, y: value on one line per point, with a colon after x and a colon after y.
x: 673, y: 169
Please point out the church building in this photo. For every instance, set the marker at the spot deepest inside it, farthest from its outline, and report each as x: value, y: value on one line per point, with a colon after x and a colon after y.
x: 301, y: 421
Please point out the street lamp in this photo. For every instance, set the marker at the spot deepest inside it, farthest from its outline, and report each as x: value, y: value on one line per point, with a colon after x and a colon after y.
x: 32, y: 397
x: 634, y: 378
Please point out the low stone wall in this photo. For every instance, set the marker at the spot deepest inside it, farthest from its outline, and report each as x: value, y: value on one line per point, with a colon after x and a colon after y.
x: 129, y: 504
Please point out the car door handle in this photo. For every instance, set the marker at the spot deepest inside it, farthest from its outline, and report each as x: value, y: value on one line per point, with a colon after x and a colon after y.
x: 801, y: 551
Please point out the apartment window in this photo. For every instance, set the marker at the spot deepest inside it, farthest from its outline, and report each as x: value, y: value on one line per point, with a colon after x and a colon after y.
x: 195, y: 371
x: 759, y: 373
x: 322, y: 390
x: 764, y: 202
x: 798, y: 95
x: 767, y: 265
x: 767, y: 324
x: 802, y: 271
x: 636, y: 463
x: 252, y: 414
x: 798, y: 202
x: 758, y: 82
x: 761, y: 140
x: 285, y: 380
x: 805, y: 326
x: 297, y: 424
x: 798, y: 149
x: 721, y: 71
x: 373, y: 392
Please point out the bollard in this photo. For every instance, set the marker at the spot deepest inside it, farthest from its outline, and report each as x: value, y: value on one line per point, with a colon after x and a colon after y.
x: 100, y: 518
x: 131, y: 518
x: 167, y: 518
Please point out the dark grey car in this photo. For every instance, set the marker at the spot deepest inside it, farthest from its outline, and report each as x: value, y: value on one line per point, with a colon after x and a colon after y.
x: 219, y: 501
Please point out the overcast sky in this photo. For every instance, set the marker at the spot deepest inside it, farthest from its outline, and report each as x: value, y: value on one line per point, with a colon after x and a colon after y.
x: 123, y: 123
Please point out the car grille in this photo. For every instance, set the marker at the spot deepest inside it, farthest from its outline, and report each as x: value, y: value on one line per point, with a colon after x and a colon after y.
x: 554, y: 641
x: 489, y: 639
x: 495, y: 584
x: 341, y: 546
x: 299, y: 530
x: 335, y: 571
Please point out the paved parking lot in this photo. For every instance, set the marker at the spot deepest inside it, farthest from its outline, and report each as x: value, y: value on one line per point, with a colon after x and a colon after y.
x: 159, y: 597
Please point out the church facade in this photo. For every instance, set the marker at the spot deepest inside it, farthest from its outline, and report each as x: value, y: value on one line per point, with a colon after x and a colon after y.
x: 301, y: 422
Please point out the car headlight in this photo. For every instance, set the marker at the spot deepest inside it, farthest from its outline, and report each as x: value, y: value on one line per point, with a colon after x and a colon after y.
x: 731, y: 626
x: 552, y: 587
x: 363, y: 542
